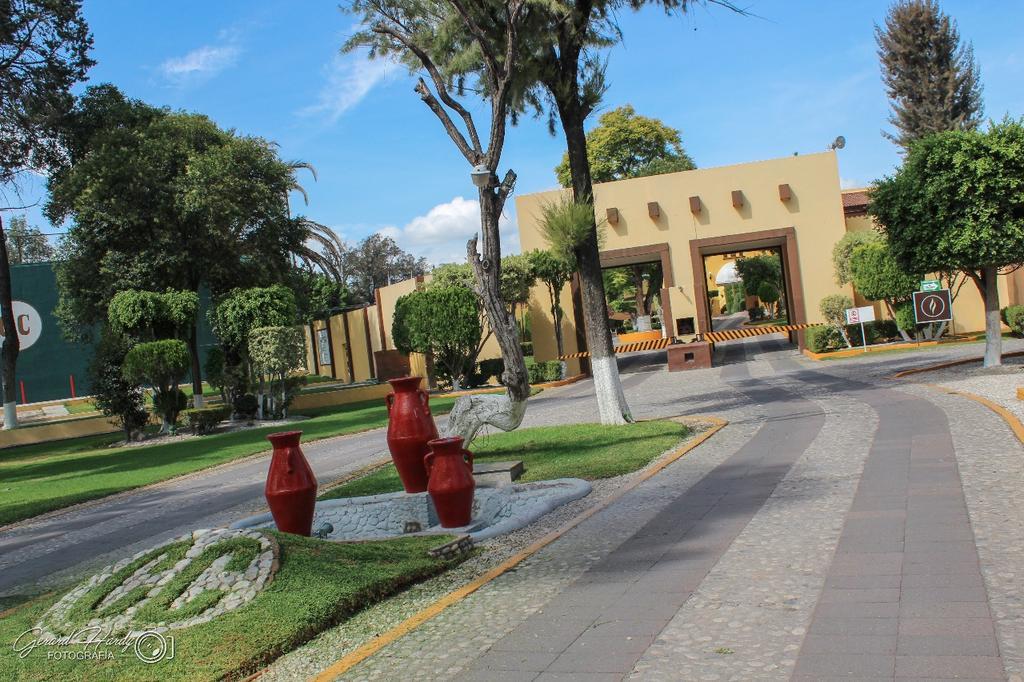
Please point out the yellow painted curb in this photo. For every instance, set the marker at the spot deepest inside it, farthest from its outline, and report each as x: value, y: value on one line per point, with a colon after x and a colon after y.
x: 346, y: 663
x: 1020, y: 394
x: 951, y: 363
x: 1011, y: 419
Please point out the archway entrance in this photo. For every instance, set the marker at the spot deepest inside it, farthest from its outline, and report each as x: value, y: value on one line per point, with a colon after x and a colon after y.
x: 637, y: 282
x: 709, y: 257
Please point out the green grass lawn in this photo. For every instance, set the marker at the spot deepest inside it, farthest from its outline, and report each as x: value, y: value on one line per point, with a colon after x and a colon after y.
x: 587, y: 451
x: 39, y: 478
x: 318, y: 585
x: 774, y: 322
x: 80, y: 408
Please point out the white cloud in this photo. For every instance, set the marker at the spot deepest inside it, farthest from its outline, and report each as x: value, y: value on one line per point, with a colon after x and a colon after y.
x: 441, y: 234
x: 349, y: 78
x: 850, y: 183
x: 203, y: 62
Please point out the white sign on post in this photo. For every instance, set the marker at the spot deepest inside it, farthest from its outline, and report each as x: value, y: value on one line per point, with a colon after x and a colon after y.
x: 860, y: 316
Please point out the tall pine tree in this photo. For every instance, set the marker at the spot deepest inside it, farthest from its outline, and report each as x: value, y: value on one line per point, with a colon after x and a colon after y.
x: 931, y: 77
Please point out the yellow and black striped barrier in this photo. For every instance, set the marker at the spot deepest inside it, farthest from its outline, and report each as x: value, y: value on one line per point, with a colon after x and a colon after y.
x: 713, y: 337
x: 652, y: 344
x: 733, y: 334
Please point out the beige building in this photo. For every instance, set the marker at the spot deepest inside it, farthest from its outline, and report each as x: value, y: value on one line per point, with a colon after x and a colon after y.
x: 694, y: 224
x: 694, y: 221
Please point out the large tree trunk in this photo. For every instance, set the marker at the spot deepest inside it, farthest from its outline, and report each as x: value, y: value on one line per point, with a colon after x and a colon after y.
x: 504, y: 412
x: 988, y: 285
x: 611, y: 401
x: 12, y: 345
x: 197, y: 374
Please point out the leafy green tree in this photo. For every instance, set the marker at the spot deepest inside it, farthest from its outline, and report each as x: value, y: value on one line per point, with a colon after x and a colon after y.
x: 833, y: 308
x: 27, y: 244
x: 769, y: 295
x: 555, y: 273
x: 162, y: 365
x: 931, y: 77
x: 115, y: 396
x: 444, y: 323
x: 563, y: 74
x: 565, y: 225
x: 243, y: 310
x: 148, y: 315
x: 878, y: 276
x: 756, y: 271
x: 233, y: 319
x: 318, y: 295
x: 376, y: 262
x: 276, y: 352
x: 163, y: 200
x: 44, y: 51
x: 842, y: 252
x: 625, y: 145
x: 956, y: 205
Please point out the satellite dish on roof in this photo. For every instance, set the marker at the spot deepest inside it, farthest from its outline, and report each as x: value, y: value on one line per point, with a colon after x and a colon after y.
x: 839, y: 143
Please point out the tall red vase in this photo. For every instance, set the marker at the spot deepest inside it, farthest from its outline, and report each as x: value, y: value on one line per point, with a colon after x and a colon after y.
x: 291, y: 485
x: 410, y: 426
x: 450, y: 467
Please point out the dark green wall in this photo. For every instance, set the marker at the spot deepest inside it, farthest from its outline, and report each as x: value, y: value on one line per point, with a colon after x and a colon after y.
x: 47, y: 367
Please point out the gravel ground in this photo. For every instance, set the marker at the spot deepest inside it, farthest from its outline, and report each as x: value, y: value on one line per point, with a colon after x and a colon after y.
x: 998, y: 384
x: 338, y: 642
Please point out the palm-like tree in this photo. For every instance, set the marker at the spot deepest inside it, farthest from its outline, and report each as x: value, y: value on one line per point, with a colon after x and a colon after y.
x: 327, y: 252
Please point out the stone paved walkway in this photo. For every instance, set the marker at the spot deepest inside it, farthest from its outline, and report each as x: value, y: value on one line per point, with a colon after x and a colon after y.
x: 825, y: 533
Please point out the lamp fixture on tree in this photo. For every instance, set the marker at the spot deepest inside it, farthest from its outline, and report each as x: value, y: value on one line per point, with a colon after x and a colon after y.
x: 482, y: 176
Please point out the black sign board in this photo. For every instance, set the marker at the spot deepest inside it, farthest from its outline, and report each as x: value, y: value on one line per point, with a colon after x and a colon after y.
x: 933, y: 306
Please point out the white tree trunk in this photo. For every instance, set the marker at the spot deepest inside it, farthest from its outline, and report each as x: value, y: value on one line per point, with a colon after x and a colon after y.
x: 10, y: 416
x: 472, y: 412
x: 993, y: 330
x: 197, y: 401
x: 611, y: 401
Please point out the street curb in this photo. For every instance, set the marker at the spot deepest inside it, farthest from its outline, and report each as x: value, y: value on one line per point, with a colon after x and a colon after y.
x: 951, y: 363
x: 347, y: 662
x: 498, y: 389
x: 1011, y: 419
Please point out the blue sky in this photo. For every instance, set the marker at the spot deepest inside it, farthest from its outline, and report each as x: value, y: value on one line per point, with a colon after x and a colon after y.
x: 787, y: 80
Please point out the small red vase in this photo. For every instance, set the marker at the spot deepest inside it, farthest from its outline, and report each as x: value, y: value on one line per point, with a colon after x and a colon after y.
x: 291, y: 485
x: 410, y: 426
x: 450, y: 467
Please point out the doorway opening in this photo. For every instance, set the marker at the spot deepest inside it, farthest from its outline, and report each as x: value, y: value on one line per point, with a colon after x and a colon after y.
x: 746, y: 288
x: 771, y: 257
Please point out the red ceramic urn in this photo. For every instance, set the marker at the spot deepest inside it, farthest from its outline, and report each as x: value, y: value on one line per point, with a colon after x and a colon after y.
x: 291, y: 485
x: 410, y: 426
x: 450, y: 467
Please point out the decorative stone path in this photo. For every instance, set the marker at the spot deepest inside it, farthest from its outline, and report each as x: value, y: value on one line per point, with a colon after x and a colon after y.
x: 604, y: 622
x: 904, y: 596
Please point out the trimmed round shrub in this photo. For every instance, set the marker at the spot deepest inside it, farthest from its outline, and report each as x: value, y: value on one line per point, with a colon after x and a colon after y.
x: 205, y: 419
x: 824, y: 339
x: 1013, y: 316
x: 905, y: 319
